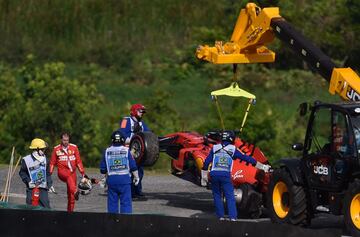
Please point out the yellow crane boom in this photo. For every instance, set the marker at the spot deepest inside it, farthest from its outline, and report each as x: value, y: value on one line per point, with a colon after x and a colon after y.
x: 256, y: 27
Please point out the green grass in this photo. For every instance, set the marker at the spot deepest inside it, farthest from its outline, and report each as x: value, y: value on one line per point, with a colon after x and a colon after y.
x: 190, y: 96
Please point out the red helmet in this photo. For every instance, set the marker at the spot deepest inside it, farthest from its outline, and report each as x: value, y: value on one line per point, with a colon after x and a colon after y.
x: 137, y: 108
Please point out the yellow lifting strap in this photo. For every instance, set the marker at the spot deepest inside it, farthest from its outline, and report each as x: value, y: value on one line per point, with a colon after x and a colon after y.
x: 219, y: 112
x: 233, y: 91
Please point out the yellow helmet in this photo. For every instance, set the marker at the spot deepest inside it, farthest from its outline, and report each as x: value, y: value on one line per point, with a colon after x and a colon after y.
x: 37, y: 143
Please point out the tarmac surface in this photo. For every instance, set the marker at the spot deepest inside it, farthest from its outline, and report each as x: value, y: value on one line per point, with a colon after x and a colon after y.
x: 164, y: 195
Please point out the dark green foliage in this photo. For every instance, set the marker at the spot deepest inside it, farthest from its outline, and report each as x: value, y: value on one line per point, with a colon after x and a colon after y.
x: 44, y: 103
x: 119, y: 33
x: 162, y: 117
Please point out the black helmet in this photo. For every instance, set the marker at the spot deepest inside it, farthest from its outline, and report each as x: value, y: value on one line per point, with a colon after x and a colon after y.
x: 228, y: 136
x: 117, y: 137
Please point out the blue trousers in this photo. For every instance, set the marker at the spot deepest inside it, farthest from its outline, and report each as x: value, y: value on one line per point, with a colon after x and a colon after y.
x: 137, y: 190
x: 122, y: 192
x: 223, y: 184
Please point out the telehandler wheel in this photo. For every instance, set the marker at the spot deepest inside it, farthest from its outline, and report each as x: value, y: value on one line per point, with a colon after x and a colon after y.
x: 144, y: 147
x: 286, y: 201
x: 351, y: 208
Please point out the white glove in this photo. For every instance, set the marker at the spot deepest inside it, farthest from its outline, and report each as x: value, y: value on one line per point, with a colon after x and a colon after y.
x: 136, y: 178
x: 52, y: 189
x: 31, y: 185
x: 263, y: 167
x: 102, y: 182
x: 204, y: 177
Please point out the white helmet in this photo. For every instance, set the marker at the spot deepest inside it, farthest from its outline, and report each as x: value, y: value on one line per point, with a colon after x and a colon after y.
x: 85, y: 186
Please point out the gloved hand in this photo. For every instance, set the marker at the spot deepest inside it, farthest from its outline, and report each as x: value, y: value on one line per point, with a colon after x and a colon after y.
x: 102, y: 182
x: 204, y: 177
x: 84, y: 178
x: 136, y: 178
x: 263, y: 167
x: 31, y: 185
x: 52, y: 189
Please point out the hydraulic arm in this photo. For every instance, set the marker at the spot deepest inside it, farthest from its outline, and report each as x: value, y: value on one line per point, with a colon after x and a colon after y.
x: 256, y: 27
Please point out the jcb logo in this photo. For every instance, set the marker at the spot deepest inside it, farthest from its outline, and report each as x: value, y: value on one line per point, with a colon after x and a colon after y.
x: 321, y: 170
x: 352, y: 94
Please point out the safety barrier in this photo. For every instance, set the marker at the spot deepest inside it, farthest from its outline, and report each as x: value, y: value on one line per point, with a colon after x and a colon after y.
x: 15, y: 222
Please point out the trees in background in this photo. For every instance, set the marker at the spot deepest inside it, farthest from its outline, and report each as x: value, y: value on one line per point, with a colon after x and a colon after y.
x: 40, y: 101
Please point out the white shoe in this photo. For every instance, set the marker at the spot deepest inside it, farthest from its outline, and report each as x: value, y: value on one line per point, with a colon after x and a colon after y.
x: 221, y: 219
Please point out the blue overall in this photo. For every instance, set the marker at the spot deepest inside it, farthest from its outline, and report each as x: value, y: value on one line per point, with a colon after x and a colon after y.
x: 117, y: 163
x: 128, y: 128
x: 221, y: 156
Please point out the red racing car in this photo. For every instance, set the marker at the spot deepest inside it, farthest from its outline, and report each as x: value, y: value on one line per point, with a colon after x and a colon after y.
x: 188, y: 151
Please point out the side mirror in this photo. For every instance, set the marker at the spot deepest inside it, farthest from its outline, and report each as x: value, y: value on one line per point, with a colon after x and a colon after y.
x: 297, y: 147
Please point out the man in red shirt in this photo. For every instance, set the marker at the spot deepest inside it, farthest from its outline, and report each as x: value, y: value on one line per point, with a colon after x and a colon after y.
x: 66, y: 157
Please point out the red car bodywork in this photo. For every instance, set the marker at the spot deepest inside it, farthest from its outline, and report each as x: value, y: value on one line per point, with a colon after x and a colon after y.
x: 194, y: 147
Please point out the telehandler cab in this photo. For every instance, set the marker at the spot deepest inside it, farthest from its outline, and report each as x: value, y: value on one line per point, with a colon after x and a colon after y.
x: 326, y: 177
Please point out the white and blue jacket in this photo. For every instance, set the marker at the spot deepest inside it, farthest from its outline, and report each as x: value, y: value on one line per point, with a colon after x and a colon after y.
x: 221, y: 156
x: 118, y: 164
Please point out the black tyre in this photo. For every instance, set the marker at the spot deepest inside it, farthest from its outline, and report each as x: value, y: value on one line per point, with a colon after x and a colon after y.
x: 286, y: 201
x: 251, y: 203
x: 351, y: 208
x: 144, y: 147
x: 248, y: 202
